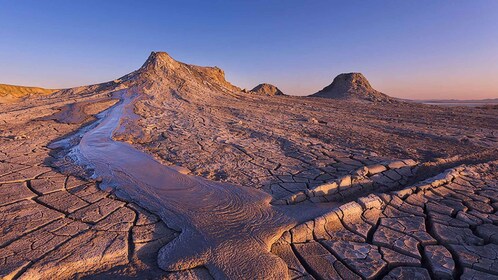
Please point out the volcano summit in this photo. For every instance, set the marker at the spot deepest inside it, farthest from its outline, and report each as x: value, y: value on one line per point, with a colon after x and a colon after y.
x: 352, y: 86
x: 172, y: 172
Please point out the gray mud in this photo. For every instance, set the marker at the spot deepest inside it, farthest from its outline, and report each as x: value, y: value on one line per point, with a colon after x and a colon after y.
x: 227, y: 228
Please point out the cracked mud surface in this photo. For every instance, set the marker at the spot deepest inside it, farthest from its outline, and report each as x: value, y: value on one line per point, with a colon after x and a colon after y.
x: 57, y: 226
x: 395, y: 200
x: 434, y: 229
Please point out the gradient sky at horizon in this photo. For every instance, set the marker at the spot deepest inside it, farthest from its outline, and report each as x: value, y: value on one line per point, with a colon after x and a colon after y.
x: 415, y: 49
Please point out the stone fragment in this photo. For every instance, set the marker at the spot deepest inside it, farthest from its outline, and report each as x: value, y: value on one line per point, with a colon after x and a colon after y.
x: 119, y: 220
x: 370, y: 201
x: 485, y: 218
x: 284, y: 251
x: 396, y: 164
x: 361, y: 172
x: 410, y: 162
x: 352, y: 218
x: 403, y: 192
x: 320, y: 261
x: 454, y: 235
x: 326, y: 189
x: 302, y: 232
x: 483, y: 258
x: 351, y: 212
x: 375, y: 169
x: 97, y: 211
x: 36, y: 244
x: 454, y: 204
x: 63, y: 201
x: 14, y: 192
x: 447, y: 220
x: 405, y: 272
x: 401, y: 205
x: 393, y: 212
x: 405, y: 172
x: 25, y: 174
x: 294, y: 187
x: 472, y: 274
x: 324, y: 177
x: 88, y: 192
x: 397, y: 241
x: 395, y: 259
x: 22, y: 217
x: 330, y: 227
x: 440, y: 261
x: 417, y: 199
x: 491, y: 194
x: 363, y: 258
x: 413, y: 226
x: 439, y: 208
x: 392, y: 174
x: 90, y: 252
x: 479, y: 206
x: 345, y: 181
x: 488, y: 232
x: 73, y: 182
x: 372, y: 215
x: 9, y: 167
x: 48, y: 185
x: 296, y: 198
x: 468, y: 219
x: 384, y: 180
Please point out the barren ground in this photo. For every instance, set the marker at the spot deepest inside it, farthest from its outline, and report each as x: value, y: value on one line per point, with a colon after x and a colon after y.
x: 404, y: 190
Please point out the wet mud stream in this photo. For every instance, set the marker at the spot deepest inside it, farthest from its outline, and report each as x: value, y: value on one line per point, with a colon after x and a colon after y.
x: 229, y: 229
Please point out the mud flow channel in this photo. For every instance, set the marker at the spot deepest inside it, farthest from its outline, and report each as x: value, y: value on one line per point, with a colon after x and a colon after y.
x: 227, y: 228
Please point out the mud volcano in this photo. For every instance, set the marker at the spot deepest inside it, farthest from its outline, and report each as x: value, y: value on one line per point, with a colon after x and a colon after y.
x: 173, y: 172
x: 352, y: 86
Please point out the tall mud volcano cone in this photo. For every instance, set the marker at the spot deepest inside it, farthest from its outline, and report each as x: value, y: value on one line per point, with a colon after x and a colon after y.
x: 352, y: 86
x: 163, y: 77
x: 161, y: 70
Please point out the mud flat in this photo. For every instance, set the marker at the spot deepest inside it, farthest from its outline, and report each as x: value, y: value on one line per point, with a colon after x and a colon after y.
x: 215, y: 219
x: 270, y: 186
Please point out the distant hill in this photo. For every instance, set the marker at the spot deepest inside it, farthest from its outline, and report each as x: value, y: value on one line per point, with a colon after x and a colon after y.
x: 266, y: 89
x: 352, y: 86
x: 10, y: 93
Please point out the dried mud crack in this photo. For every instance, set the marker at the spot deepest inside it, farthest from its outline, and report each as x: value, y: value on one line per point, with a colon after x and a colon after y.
x: 195, y: 179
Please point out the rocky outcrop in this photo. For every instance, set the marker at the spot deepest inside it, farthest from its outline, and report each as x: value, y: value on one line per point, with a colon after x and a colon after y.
x: 352, y: 86
x: 266, y: 89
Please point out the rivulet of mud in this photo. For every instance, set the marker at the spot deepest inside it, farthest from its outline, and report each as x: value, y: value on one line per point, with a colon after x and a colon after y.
x: 227, y: 228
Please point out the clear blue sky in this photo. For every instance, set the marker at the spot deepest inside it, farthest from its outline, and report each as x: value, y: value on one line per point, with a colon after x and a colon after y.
x: 410, y: 48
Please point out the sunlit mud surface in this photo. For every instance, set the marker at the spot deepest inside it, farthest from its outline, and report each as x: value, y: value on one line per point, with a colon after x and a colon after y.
x: 227, y: 228
x: 171, y: 172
